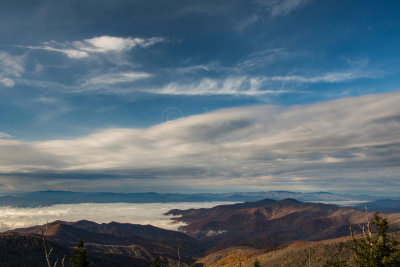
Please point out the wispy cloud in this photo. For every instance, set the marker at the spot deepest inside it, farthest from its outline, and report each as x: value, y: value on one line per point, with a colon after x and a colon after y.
x: 242, y: 85
x: 97, y: 45
x: 51, y: 108
x: 3, y: 135
x: 105, y: 80
x: 11, y: 67
x: 70, y: 52
x: 265, y: 58
x: 194, y: 69
x: 253, y: 18
x: 194, y: 81
x: 281, y: 7
x: 258, y: 85
x: 343, y: 143
x: 331, y: 77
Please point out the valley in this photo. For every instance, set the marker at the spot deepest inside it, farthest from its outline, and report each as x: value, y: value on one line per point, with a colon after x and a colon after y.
x: 271, y: 231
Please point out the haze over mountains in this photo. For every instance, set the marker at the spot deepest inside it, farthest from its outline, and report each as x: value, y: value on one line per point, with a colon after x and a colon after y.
x: 46, y: 198
x: 381, y: 205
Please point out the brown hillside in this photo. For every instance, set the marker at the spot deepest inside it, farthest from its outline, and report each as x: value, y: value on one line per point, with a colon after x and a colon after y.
x: 300, y: 253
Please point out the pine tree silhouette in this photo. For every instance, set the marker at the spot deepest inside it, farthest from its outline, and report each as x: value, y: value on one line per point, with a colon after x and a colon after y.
x: 78, y: 257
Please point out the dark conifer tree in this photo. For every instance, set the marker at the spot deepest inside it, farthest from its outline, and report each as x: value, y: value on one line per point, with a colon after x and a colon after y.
x: 156, y: 262
x: 78, y: 256
x: 379, y: 249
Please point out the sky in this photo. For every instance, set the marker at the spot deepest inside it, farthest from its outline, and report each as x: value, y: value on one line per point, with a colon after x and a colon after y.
x: 200, y: 96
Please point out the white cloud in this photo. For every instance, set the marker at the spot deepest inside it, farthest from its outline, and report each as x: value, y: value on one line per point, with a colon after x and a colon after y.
x: 7, y: 82
x: 11, y: 67
x: 342, y: 143
x: 104, y: 44
x: 213, y: 233
x: 97, y: 45
x: 153, y: 213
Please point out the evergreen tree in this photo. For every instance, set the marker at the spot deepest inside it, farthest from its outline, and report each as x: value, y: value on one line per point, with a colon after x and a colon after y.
x: 156, y: 262
x: 78, y: 256
x: 377, y: 250
x: 257, y: 263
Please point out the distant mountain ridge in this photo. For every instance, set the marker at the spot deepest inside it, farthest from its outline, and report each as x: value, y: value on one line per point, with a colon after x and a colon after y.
x: 381, y: 205
x: 47, y: 198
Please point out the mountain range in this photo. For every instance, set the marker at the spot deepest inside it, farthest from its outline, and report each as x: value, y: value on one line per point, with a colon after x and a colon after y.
x: 269, y: 223
x: 267, y: 227
x: 47, y: 198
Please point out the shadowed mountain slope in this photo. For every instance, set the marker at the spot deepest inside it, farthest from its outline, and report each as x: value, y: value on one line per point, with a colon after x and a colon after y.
x: 138, y: 241
x: 26, y: 250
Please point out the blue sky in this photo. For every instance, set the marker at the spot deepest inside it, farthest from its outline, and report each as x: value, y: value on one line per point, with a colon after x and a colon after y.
x: 84, y: 78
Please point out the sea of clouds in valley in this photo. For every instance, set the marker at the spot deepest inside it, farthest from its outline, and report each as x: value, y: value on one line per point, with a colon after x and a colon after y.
x: 149, y: 213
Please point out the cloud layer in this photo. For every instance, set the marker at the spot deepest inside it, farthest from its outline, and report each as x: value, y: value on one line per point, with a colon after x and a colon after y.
x: 342, y: 144
x: 11, y: 218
